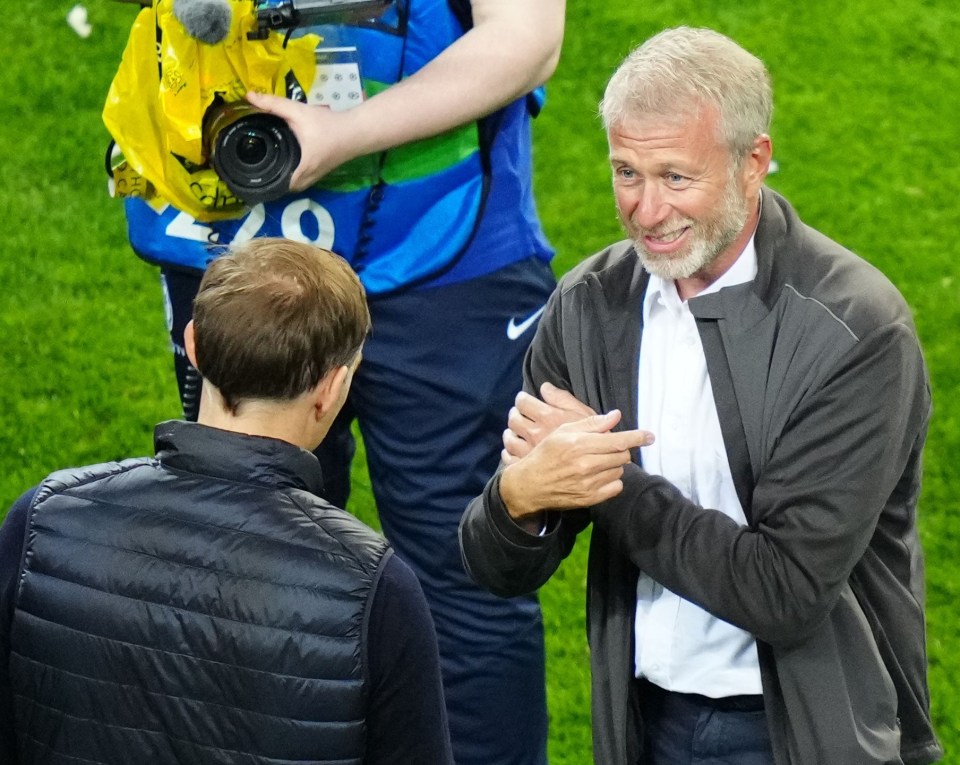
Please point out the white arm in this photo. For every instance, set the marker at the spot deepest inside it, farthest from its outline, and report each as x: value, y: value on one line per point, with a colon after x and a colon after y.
x: 513, y: 47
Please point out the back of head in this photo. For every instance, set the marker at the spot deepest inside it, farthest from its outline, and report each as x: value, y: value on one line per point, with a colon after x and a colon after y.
x: 273, y: 316
x: 679, y: 71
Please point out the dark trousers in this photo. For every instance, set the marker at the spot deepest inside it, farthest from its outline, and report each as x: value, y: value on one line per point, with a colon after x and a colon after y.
x: 689, y: 729
x: 439, y: 375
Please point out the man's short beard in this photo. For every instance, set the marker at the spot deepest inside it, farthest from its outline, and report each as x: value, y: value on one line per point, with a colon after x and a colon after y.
x: 710, y: 238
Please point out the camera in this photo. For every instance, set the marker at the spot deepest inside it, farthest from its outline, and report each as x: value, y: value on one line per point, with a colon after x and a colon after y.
x: 182, y: 130
x: 286, y: 14
x: 253, y: 152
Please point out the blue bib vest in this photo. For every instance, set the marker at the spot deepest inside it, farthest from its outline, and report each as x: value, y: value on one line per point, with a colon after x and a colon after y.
x: 410, y: 215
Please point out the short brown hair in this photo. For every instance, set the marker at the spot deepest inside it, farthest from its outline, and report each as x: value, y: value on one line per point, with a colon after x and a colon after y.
x: 273, y: 316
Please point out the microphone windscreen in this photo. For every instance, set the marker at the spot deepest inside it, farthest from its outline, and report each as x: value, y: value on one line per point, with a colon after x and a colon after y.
x: 205, y: 20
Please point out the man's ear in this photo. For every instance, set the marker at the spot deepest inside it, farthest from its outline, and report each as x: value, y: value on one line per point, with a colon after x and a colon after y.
x: 190, y: 344
x: 331, y: 391
x: 757, y: 164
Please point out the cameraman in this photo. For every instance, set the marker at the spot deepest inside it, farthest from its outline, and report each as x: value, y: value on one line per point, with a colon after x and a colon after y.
x: 447, y: 242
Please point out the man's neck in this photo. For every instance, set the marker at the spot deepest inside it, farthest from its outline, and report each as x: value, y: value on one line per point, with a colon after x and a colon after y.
x: 280, y: 420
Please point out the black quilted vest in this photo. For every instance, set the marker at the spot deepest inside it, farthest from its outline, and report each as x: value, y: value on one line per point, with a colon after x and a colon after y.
x: 201, y: 607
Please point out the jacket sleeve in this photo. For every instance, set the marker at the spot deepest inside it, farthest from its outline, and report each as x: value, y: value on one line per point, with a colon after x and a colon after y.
x: 406, y: 717
x: 506, y: 559
x: 849, y: 451
x: 11, y: 550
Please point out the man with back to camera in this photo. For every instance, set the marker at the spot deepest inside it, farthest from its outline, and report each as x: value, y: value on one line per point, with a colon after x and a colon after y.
x: 447, y: 241
x: 207, y: 605
x: 755, y: 583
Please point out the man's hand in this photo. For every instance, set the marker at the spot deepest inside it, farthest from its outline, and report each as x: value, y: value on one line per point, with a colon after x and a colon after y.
x: 577, y: 465
x: 511, y: 48
x: 326, y: 137
x: 531, y: 420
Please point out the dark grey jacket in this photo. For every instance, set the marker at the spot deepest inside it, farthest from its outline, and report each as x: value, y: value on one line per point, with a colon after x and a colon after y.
x: 823, y: 400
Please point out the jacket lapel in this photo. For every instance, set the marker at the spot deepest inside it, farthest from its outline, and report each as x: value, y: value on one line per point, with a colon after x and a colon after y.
x: 618, y: 303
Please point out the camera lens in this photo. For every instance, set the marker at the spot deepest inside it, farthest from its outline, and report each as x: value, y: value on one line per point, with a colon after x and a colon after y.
x: 253, y: 152
x: 251, y: 149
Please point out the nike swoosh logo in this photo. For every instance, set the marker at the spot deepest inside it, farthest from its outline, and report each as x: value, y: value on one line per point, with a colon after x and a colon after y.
x: 514, y: 330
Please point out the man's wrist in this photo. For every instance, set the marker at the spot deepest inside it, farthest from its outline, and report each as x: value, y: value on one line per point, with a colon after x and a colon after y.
x: 528, y: 517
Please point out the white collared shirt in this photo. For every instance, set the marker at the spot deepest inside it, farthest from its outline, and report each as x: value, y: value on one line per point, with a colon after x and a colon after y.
x: 679, y: 646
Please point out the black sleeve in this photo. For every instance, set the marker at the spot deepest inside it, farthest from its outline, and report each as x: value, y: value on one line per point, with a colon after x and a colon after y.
x: 407, y: 720
x: 11, y: 546
x: 504, y: 558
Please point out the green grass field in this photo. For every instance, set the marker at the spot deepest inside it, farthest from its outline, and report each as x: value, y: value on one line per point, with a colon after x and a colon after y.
x: 866, y: 133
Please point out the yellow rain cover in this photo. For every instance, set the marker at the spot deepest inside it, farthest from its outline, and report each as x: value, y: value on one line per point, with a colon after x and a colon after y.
x: 155, y: 114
